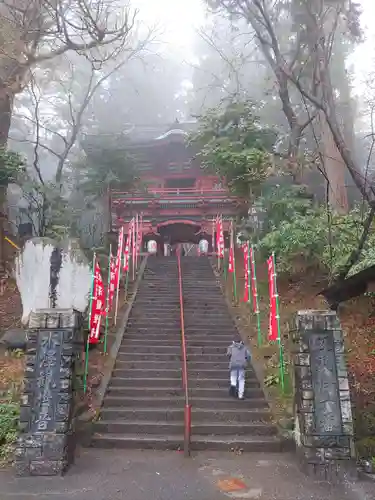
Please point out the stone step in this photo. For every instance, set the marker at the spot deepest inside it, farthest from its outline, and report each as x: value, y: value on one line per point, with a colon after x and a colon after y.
x: 147, y: 348
x: 217, y: 373
x: 151, y: 365
x: 147, y: 373
x: 227, y: 402
x: 137, y: 356
x: 175, y: 389
x: 175, y: 382
x: 144, y: 332
x: 127, y: 370
x: 177, y: 414
x: 158, y: 293
x: 203, y: 382
x: 173, y: 301
x: 255, y: 444
x: 158, y: 383
x: 223, y: 366
x: 166, y: 286
x: 206, y: 357
x: 144, y: 347
x: 225, y: 326
x: 191, y: 332
x: 113, y: 400
x: 156, y: 392
x: 137, y: 442
x: 174, y: 340
x: 174, y: 308
x: 200, y: 315
x: 163, y: 287
x: 172, y: 427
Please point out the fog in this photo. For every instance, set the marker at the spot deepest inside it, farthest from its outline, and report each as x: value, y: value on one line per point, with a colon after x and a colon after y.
x: 178, y: 60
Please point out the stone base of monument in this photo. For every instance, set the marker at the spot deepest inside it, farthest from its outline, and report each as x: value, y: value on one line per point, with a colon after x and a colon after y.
x: 323, y: 416
x: 54, y: 349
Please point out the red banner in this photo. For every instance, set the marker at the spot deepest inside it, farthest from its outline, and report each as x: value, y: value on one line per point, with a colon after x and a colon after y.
x: 140, y: 234
x: 133, y: 245
x: 272, y: 330
x: 253, y: 281
x: 218, y: 235
x: 214, y: 224
x: 246, y: 269
x: 112, y: 282
x: 231, y: 261
x: 97, y: 305
x: 127, y: 246
x: 220, y: 238
x: 120, y: 246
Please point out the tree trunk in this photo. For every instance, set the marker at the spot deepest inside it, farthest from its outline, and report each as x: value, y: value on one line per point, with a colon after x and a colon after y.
x: 334, y: 168
x: 6, y: 104
x: 3, y: 190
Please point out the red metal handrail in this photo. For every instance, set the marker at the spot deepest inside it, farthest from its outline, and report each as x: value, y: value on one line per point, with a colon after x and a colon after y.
x: 187, y: 408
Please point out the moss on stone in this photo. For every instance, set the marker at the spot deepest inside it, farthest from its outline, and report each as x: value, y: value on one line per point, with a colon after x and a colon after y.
x: 366, y: 447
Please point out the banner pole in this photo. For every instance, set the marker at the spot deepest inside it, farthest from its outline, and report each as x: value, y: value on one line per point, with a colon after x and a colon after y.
x: 126, y: 284
x: 218, y: 242
x: 140, y: 244
x: 88, y: 336
x: 134, y: 249
x: 86, y: 365
x: 234, y: 266
x: 136, y: 240
x: 225, y: 264
x: 257, y: 312
x: 108, y: 292
x: 91, y: 289
x: 281, y: 353
x: 249, y: 277
x: 119, y: 255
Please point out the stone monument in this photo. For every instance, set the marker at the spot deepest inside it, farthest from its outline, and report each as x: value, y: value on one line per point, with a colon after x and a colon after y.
x: 323, y: 419
x: 54, y: 282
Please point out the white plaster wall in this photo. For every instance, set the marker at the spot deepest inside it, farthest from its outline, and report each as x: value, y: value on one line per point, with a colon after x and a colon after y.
x: 32, y: 273
x: 74, y: 284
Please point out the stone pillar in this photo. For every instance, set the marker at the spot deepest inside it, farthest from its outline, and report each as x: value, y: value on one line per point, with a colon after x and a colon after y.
x: 54, y: 347
x: 324, y: 426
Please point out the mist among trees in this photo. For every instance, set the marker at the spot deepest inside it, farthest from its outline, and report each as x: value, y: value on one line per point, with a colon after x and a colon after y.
x: 279, y: 67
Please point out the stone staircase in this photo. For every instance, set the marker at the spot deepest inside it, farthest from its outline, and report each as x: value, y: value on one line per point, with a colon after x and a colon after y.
x: 144, y: 404
x: 219, y: 422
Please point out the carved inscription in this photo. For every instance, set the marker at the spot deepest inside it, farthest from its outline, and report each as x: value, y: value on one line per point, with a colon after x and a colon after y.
x: 325, y: 384
x: 47, y: 382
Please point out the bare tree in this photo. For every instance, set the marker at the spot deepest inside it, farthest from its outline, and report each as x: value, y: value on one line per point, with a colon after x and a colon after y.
x: 297, y: 122
x: 33, y: 31
x: 310, y: 47
x: 56, y: 124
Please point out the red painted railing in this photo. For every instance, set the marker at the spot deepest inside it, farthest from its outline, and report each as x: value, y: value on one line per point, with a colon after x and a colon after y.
x: 192, y: 190
x: 173, y: 192
x: 185, y: 382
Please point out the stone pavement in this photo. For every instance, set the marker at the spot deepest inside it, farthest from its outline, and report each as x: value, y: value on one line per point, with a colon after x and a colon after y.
x: 149, y: 475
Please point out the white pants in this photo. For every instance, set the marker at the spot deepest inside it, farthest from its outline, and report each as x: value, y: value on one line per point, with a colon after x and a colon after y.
x: 238, y: 375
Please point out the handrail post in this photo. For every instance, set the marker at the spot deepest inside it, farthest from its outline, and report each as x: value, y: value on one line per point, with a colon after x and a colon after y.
x: 187, y: 407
